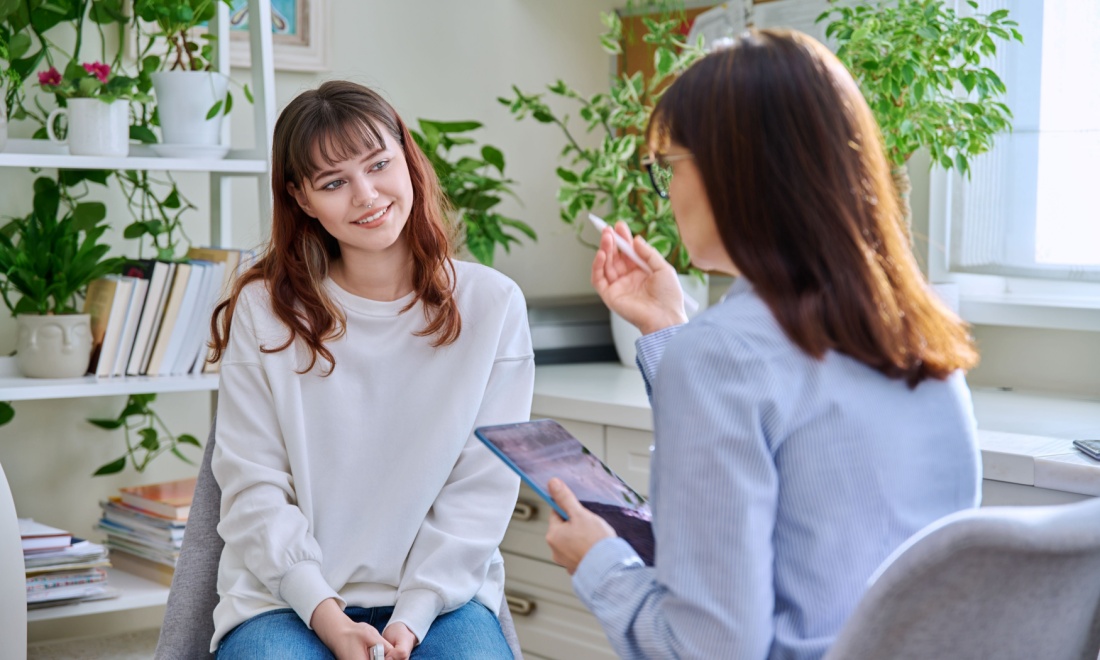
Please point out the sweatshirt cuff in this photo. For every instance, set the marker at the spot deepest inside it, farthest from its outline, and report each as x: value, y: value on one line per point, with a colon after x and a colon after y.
x: 303, y: 587
x: 417, y: 609
x: 607, y: 556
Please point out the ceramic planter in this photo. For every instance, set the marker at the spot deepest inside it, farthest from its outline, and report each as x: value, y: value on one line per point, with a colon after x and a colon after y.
x: 184, y: 98
x: 95, y: 128
x: 53, y: 346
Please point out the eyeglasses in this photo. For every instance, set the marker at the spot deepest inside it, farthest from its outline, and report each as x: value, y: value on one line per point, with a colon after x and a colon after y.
x: 660, y: 171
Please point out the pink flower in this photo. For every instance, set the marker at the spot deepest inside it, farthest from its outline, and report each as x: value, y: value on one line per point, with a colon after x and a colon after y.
x: 50, y: 77
x: 98, y: 70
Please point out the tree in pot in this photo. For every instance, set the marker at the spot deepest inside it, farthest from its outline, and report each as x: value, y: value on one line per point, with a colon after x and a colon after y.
x: 47, y: 259
x: 611, y: 178
x: 912, y: 60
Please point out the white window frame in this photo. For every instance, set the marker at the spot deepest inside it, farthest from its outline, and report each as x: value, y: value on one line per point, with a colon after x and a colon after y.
x: 1004, y: 300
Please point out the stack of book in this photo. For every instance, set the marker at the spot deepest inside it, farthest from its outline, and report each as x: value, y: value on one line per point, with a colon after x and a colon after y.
x: 61, y: 569
x: 154, y: 319
x: 145, y: 525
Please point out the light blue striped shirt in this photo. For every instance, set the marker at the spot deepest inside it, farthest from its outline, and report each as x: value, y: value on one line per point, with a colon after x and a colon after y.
x: 779, y: 484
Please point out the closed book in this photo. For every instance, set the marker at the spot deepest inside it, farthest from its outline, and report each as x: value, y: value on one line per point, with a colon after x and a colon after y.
x: 40, y: 537
x: 169, y: 499
x: 198, y: 333
x: 98, y: 300
x: 234, y: 263
x: 168, y: 321
x: 142, y: 567
x: 160, y: 283
x: 129, y: 327
x: 185, y: 319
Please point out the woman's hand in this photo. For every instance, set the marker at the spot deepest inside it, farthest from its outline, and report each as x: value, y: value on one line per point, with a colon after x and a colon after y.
x: 403, y: 641
x: 346, y: 639
x: 650, y: 301
x: 571, y: 540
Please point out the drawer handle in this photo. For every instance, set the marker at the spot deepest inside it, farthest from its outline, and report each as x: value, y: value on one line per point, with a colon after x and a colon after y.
x: 518, y: 605
x: 524, y: 511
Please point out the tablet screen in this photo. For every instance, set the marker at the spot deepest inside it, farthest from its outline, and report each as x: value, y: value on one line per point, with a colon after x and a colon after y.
x: 542, y: 449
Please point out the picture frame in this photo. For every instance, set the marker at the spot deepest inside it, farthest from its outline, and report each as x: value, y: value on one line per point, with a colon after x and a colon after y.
x: 298, y: 30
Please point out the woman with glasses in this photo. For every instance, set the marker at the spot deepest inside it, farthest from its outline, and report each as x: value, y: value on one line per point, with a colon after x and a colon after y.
x: 814, y: 419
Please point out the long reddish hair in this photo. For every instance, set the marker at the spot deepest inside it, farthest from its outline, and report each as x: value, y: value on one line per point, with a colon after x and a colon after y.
x: 794, y: 168
x: 340, y: 119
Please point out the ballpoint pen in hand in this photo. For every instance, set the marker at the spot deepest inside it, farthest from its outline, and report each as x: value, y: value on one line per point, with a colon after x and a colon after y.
x: 628, y: 251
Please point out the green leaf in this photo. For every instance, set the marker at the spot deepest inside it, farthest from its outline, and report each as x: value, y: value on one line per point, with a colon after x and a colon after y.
x: 213, y: 111
x: 7, y: 412
x: 149, y: 439
x: 111, y: 468
x: 188, y: 439
x: 108, y: 424
x: 493, y: 156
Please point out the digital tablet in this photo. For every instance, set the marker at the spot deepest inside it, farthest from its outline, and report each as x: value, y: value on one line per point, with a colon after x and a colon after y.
x: 542, y: 449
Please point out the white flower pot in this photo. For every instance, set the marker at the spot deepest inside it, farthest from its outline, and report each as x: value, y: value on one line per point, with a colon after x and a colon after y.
x: 624, y: 334
x: 183, y: 100
x: 95, y: 128
x: 53, y: 346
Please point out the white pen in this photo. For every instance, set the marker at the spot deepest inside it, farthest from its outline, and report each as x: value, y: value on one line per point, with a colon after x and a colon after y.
x: 624, y: 245
x: 628, y: 250
x: 377, y: 652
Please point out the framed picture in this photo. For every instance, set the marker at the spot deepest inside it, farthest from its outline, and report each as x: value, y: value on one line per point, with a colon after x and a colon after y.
x: 298, y: 38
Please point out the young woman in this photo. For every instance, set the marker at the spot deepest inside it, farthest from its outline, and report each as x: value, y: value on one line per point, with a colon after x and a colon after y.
x: 815, y: 418
x: 357, y: 358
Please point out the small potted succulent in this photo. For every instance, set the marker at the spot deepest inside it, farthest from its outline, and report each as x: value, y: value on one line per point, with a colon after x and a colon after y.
x: 47, y: 260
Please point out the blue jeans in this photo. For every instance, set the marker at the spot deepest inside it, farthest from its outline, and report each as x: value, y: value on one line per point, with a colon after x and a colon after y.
x: 471, y: 631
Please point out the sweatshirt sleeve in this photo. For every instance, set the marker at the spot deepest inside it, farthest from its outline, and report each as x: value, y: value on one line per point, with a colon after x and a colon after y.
x: 260, y: 520
x: 467, y: 521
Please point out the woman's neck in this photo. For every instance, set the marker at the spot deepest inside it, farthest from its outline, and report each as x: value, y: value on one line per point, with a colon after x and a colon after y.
x: 384, y: 276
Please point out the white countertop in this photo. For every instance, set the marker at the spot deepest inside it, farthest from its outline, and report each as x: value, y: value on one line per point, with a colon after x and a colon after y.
x: 1024, y: 436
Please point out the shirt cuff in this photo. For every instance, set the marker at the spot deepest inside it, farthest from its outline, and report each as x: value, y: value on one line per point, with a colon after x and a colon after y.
x: 417, y: 609
x: 303, y: 587
x: 607, y: 556
x: 649, y: 349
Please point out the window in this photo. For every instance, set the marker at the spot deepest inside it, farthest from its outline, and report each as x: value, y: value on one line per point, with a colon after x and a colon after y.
x: 1030, y: 214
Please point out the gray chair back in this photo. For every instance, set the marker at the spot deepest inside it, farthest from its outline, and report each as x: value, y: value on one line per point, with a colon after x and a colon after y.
x: 998, y: 582
x: 188, y: 623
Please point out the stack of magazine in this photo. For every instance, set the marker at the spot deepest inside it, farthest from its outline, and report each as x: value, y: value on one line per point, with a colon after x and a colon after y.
x: 61, y: 569
x: 145, y: 526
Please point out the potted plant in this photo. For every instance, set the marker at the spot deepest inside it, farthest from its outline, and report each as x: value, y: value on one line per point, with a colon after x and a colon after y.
x: 610, y: 178
x: 191, y: 96
x: 47, y: 259
x: 96, y: 101
x: 912, y: 60
x: 473, y: 186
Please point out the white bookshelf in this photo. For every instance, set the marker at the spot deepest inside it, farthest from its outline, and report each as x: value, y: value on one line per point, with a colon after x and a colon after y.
x: 46, y: 154
x: 134, y: 592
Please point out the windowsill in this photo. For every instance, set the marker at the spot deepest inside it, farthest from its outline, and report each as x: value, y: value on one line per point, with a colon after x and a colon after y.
x: 1049, y: 312
x: 1025, y: 437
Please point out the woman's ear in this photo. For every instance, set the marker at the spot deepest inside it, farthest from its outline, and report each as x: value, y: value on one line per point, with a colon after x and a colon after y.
x: 301, y: 198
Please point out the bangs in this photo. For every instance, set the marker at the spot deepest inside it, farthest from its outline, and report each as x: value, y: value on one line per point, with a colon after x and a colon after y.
x: 330, y: 137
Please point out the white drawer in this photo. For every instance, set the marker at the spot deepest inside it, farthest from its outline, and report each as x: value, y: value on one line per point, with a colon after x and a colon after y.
x: 628, y: 456
x: 550, y: 621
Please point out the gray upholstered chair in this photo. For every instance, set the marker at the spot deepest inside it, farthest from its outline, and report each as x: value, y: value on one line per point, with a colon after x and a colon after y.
x: 999, y: 582
x: 188, y: 622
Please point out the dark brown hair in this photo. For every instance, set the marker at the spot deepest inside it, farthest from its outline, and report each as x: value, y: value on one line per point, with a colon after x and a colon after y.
x: 794, y: 168
x: 342, y: 119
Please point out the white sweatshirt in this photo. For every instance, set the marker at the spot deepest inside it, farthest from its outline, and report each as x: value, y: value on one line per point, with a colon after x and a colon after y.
x: 368, y: 485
